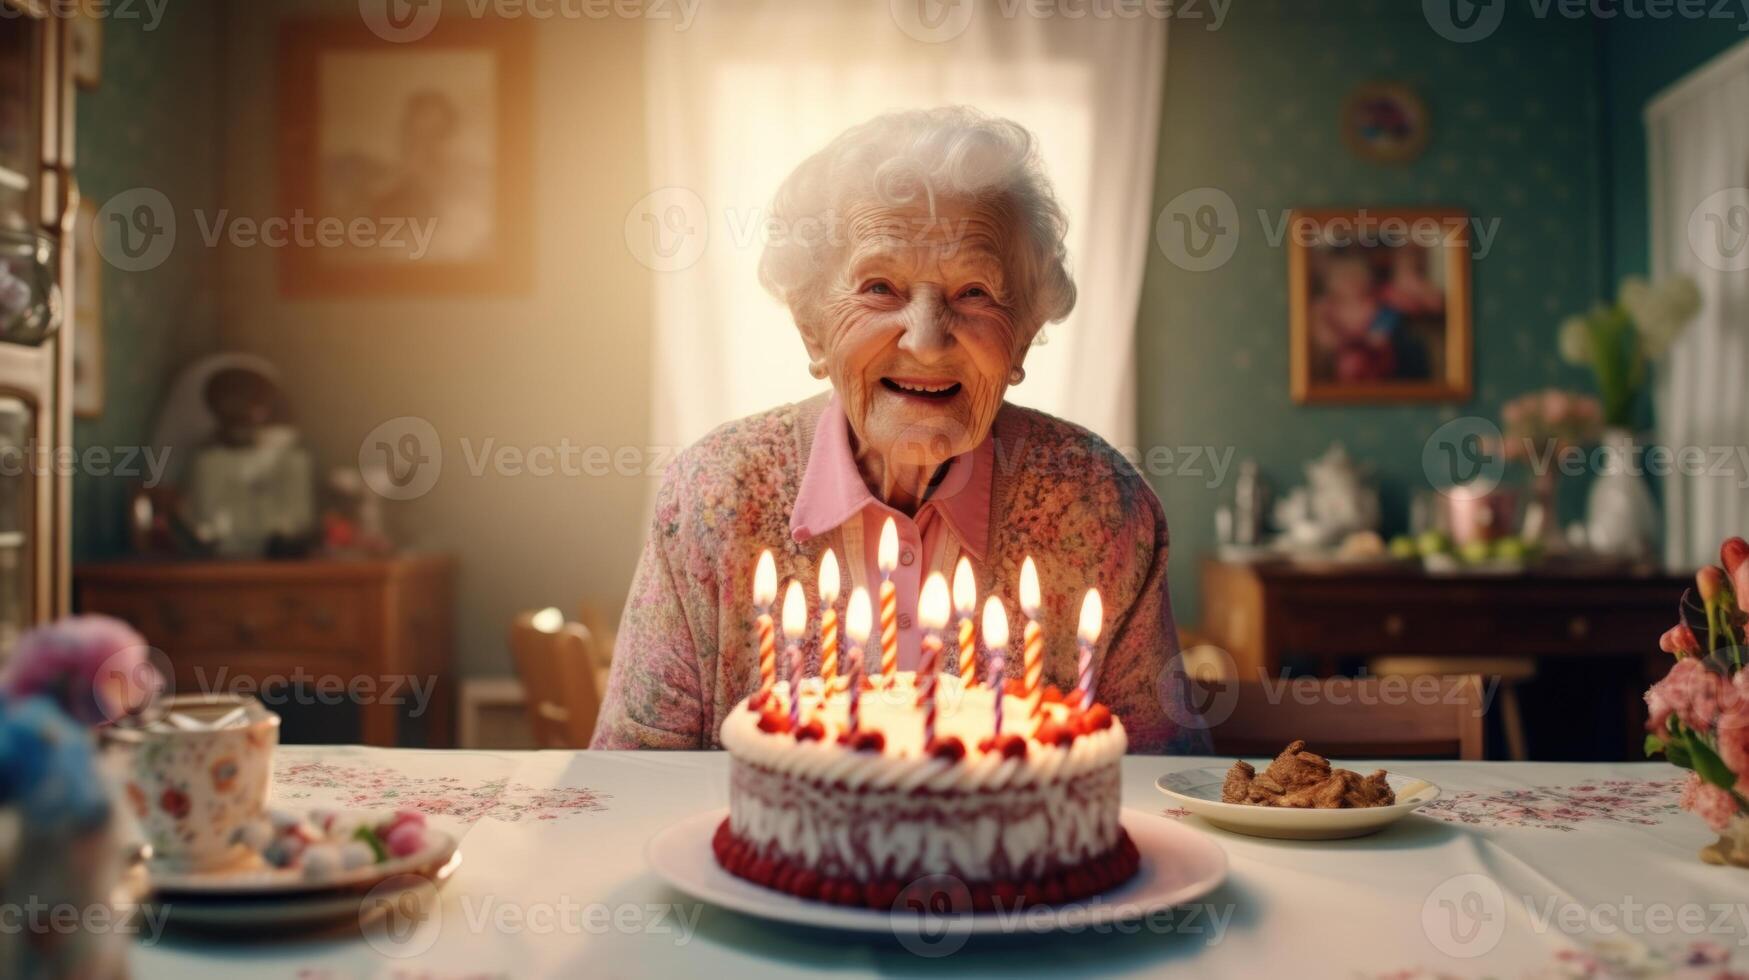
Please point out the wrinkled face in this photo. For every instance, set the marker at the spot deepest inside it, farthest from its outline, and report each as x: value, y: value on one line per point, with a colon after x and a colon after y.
x: 918, y: 328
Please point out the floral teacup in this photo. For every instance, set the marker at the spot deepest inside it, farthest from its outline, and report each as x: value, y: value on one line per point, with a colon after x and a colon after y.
x: 201, y: 767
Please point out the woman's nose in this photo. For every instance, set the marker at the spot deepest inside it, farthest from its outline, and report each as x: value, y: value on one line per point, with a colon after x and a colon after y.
x: 926, y: 325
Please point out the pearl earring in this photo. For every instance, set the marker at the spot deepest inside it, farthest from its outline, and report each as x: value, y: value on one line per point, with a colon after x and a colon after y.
x: 1017, y: 375
x: 817, y: 369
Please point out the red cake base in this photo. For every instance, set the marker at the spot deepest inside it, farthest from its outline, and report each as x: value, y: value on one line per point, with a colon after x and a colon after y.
x: 1102, y: 873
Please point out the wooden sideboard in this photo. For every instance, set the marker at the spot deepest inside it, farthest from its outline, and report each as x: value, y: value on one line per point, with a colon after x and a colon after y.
x: 379, y: 629
x: 1274, y: 615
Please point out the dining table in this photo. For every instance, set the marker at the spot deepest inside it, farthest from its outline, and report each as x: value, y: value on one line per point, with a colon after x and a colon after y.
x: 1516, y: 870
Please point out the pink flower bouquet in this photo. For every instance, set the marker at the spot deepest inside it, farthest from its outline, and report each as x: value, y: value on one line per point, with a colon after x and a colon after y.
x: 1700, y: 710
x: 1539, y: 426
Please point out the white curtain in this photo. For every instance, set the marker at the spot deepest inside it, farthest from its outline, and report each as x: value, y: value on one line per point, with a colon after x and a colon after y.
x: 1698, y: 140
x: 754, y: 86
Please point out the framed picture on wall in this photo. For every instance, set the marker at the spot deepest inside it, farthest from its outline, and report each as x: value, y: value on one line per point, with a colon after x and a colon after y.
x: 87, y: 313
x: 85, y: 33
x: 1379, y: 305
x: 1385, y: 122
x: 406, y: 168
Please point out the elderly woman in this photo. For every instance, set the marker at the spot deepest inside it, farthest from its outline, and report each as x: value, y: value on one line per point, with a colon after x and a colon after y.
x: 926, y: 251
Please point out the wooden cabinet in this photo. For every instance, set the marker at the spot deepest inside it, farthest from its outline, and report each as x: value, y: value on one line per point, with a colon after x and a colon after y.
x: 380, y: 629
x: 1274, y: 615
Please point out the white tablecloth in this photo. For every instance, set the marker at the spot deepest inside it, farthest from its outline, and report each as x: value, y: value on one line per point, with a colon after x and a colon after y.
x: 1526, y: 869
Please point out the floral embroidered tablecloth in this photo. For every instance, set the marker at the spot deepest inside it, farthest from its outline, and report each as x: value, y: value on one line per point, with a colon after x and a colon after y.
x: 1519, y: 870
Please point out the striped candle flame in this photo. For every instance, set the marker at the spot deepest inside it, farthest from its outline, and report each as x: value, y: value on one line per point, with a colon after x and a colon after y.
x: 887, y: 555
x: 857, y: 619
x: 1092, y: 618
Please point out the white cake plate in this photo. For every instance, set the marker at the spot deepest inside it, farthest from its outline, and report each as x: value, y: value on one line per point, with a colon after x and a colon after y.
x: 1179, y: 865
x: 1199, y: 791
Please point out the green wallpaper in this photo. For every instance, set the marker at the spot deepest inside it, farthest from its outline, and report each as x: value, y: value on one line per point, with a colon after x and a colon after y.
x: 1251, y: 109
x: 153, y: 123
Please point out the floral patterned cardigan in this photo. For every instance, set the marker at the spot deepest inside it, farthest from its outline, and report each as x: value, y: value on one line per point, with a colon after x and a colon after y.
x: 687, y: 651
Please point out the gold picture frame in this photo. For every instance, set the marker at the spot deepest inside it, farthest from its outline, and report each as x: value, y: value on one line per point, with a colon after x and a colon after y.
x: 85, y: 44
x: 1379, y: 305
x: 87, y: 305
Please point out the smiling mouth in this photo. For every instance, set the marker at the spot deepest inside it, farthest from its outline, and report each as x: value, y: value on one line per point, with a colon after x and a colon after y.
x: 931, y: 390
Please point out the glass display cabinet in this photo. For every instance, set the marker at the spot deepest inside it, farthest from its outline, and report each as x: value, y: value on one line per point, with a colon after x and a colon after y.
x: 37, y: 203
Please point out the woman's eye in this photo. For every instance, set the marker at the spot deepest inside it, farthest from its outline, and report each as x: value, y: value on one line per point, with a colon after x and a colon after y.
x: 879, y: 288
x: 973, y: 292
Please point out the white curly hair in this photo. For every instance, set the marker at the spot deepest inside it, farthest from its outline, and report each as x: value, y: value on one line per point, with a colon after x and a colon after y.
x: 924, y: 155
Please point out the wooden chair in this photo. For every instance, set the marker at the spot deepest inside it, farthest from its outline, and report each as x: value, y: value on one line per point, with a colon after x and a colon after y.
x: 603, y: 630
x: 559, y: 678
x: 1511, y: 671
x: 1346, y: 717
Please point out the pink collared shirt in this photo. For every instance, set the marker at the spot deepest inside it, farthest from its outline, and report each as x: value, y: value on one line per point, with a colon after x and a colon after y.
x: 833, y: 501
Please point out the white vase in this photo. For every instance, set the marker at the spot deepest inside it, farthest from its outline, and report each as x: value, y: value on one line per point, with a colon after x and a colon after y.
x: 1621, y: 521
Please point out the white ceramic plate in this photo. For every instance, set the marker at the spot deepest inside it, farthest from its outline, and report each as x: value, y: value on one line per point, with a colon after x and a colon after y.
x: 276, y: 912
x: 1199, y: 791
x: 256, y: 878
x: 1179, y: 865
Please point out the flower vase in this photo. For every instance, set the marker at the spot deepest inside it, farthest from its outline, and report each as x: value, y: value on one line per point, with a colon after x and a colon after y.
x: 1542, y: 524
x: 1621, y: 520
x: 1732, y: 846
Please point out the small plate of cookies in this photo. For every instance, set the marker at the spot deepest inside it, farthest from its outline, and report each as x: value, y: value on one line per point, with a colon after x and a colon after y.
x: 1299, y: 796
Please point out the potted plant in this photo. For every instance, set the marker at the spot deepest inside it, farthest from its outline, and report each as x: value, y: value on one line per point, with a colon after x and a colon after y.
x: 1620, y: 343
x: 1700, y: 710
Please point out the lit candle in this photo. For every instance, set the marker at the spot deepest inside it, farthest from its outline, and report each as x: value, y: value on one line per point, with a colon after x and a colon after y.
x: 887, y: 559
x: 764, y: 594
x: 795, y: 623
x: 856, y: 623
x: 828, y: 625
x: 965, y: 604
x: 932, y: 611
x: 1033, y: 664
x: 1092, y: 616
x: 996, y: 641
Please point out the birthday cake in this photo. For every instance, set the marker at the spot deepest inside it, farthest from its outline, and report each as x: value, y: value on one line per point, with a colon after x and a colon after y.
x: 857, y: 814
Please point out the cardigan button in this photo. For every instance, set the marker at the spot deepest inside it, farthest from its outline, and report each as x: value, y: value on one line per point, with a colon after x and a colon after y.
x: 906, y: 557
x: 904, y: 621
